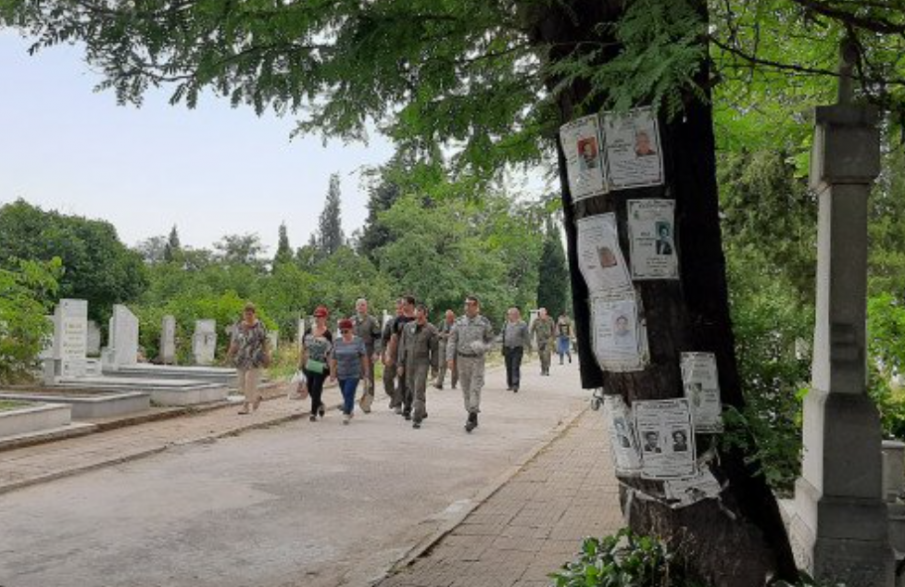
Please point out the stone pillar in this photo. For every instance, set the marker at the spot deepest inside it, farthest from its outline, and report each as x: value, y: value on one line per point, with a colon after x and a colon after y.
x: 168, y: 340
x: 840, y: 527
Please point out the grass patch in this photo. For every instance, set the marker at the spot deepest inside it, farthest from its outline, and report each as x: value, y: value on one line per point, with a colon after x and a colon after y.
x: 6, y: 405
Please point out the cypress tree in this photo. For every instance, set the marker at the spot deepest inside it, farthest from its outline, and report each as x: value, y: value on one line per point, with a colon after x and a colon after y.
x: 330, y: 232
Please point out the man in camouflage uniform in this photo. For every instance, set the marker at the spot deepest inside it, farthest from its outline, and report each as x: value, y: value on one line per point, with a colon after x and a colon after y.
x: 418, y: 351
x: 468, y: 342
x: 543, y: 331
x: 389, y: 363
x: 443, y: 332
x: 401, y: 401
x: 367, y: 328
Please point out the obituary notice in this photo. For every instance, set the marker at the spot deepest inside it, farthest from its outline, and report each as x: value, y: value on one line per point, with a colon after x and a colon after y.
x: 651, y: 230
x: 686, y: 492
x: 702, y: 390
x: 620, y: 343
x: 623, y: 440
x: 600, y: 259
x: 665, y: 431
x: 633, y: 152
x: 585, y: 168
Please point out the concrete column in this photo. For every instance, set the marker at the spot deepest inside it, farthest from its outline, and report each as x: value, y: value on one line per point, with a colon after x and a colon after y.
x: 840, y: 526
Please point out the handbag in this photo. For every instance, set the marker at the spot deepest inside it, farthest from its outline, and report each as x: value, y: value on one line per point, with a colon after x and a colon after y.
x: 301, y: 386
x: 315, y: 366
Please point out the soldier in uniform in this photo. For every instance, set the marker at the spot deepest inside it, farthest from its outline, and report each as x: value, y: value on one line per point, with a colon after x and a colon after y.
x: 367, y: 328
x: 543, y: 331
x: 468, y: 342
x: 418, y: 351
x: 443, y: 332
x: 402, y: 401
x: 515, y: 338
x: 389, y: 363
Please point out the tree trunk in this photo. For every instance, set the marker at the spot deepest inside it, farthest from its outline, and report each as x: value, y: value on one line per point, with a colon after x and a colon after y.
x: 741, y: 540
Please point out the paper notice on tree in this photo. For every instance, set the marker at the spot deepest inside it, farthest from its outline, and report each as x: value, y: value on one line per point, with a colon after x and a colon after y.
x: 702, y: 390
x: 624, y: 442
x: 600, y: 259
x: 685, y: 492
x: 619, y: 340
x: 666, y: 435
x: 633, y: 151
x: 651, y: 232
x: 584, y: 158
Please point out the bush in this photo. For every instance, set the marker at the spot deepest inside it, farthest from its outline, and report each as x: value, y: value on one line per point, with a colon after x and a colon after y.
x: 23, y: 307
x: 623, y: 560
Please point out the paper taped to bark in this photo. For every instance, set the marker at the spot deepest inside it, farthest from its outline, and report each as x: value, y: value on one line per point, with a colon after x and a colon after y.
x: 666, y: 434
x: 702, y: 390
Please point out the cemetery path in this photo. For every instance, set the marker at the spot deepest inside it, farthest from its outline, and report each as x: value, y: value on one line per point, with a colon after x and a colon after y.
x: 298, y: 503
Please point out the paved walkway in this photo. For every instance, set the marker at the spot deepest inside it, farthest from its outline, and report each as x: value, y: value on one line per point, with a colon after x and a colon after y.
x: 311, y: 504
x: 43, y: 462
x: 534, y: 523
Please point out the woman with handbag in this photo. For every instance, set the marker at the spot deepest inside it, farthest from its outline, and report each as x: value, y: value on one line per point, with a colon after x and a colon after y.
x: 317, y: 344
x: 349, y: 364
x: 248, y: 349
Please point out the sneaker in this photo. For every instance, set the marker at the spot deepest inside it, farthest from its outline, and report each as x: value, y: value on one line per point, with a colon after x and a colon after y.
x: 321, y: 411
x: 416, y: 424
x: 312, y: 418
x: 472, y: 422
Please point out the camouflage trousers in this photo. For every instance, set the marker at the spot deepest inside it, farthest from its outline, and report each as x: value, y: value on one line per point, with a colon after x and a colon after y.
x: 454, y: 376
x: 544, y: 351
x: 471, y: 376
x: 416, y: 382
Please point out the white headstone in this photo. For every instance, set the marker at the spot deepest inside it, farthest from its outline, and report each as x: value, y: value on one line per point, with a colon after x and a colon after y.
x: 70, y: 337
x: 123, y: 347
x: 274, y: 338
x: 94, y: 339
x: 168, y: 340
x: 204, y: 342
x: 300, y: 333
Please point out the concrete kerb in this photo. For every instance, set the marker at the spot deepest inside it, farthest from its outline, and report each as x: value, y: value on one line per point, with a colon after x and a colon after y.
x: 423, y: 547
x: 9, y: 487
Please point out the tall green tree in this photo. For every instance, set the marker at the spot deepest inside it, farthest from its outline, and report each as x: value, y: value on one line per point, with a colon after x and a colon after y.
x: 330, y: 235
x: 553, y: 274
x: 241, y: 249
x: 173, y: 248
x: 284, y: 251
x: 494, y: 80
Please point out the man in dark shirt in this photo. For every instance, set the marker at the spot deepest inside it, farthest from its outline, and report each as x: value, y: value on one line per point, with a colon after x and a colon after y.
x: 400, y: 402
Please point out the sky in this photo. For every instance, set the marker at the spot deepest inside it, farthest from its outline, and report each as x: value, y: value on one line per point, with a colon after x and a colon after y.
x: 210, y: 171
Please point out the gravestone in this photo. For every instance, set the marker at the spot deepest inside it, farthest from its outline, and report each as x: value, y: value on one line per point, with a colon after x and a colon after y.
x: 840, y: 530
x: 273, y: 337
x: 70, y: 338
x: 94, y: 339
x: 168, y: 340
x: 122, y: 350
x: 204, y: 342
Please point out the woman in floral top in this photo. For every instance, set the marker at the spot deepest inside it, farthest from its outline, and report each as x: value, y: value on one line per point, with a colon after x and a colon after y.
x: 317, y: 344
x: 248, y: 350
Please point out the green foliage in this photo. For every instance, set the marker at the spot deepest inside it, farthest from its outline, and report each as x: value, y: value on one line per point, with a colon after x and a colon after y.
x: 241, y: 250
x: 173, y: 249
x: 624, y: 559
x: 96, y: 266
x: 553, y: 274
x: 284, y: 251
x: 330, y: 235
x: 886, y: 347
x: 24, y: 295
x: 886, y: 261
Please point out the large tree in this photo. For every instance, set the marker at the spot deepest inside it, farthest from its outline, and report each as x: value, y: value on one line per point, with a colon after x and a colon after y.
x: 494, y: 79
x: 330, y: 235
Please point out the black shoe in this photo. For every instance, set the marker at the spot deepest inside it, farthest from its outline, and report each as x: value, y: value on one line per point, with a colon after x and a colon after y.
x: 472, y: 422
x: 416, y: 424
x: 424, y: 417
x: 570, y: 359
x: 407, y: 415
x: 312, y: 418
x: 515, y: 390
x: 321, y: 411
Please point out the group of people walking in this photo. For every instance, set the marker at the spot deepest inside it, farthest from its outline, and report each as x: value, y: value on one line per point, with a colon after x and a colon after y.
x: 413, y: 351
